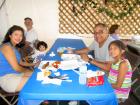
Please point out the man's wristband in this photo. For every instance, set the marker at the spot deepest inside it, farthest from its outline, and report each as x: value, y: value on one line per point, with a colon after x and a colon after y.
x: 90, y: 59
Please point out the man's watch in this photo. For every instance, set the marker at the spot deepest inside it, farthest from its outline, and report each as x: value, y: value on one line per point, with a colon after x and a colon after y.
x: 90, y: 59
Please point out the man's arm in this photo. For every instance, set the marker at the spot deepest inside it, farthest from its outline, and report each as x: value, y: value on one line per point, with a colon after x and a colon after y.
x: 82, y: 51
x: 103, y: 65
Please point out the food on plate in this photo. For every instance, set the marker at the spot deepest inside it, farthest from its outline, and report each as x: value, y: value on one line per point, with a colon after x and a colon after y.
x: 61, y: 50
x: 56, y: 64
x: 47, y: 73
x: 60, y: 53
x: 45, y: 65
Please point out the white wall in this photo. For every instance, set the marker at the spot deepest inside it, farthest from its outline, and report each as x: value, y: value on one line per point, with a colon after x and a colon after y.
x: 45, y: 14
x: 4, y: 22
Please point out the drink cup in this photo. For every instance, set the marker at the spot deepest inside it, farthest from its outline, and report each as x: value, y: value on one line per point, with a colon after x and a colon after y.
x: 82, y: 74
x: 82, y: 78
x: 83, y: 68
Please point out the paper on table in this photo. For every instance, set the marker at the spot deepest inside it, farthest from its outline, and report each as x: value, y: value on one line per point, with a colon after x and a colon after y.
x: 68, y: 65
x: 70, y: 57
x: 52, y: 81
x: 57, y: 73
x: 40, y: 76
x: 67, y: 57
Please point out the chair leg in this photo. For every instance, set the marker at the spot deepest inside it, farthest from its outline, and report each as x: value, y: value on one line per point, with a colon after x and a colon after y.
x: 5, y: 100
x: 12, y: 99
x: 15, y: 102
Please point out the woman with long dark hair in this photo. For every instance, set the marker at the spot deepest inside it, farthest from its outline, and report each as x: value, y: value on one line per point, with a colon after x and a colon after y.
x: 13, y: 75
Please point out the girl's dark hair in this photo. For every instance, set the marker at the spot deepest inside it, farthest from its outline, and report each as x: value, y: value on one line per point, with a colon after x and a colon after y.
x: 10, y: 31
x: 113, y: 28
x: 41, y: 43
x: 119, y: 44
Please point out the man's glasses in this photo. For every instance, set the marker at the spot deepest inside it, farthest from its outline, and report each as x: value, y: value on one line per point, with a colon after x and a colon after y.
x: 98, y: 33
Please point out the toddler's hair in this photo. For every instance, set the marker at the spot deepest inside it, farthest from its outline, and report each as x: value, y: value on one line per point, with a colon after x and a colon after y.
x: 41, y: 43
x: 119, y: 44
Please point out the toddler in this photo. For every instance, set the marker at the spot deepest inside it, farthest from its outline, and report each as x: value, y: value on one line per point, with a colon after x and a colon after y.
x: 40, y: 52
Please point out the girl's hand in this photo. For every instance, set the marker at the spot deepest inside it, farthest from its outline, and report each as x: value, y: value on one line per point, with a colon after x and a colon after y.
x: 85, y: 57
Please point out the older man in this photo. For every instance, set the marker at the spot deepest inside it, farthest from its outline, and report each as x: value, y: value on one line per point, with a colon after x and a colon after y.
x: 99, y: 45
x: 31, y: 39
x: 30, y: 34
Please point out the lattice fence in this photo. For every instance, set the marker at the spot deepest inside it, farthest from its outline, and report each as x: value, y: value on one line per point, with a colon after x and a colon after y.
x: 76, y: 18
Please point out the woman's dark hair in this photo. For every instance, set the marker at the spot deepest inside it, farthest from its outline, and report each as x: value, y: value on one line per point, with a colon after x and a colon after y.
x: 10, y: 31
x: 119, y: 44
x: 41, y: 43
x: 113, y: 28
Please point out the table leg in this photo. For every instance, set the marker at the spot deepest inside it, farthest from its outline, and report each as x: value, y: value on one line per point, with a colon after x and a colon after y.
x: 57, y: 102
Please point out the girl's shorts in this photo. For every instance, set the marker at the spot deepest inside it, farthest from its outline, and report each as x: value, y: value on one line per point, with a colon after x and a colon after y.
x: 10, y: 82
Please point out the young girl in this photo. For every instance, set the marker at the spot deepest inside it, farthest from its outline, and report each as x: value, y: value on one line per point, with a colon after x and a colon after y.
x: 120, y: 70
x: 41, y: 51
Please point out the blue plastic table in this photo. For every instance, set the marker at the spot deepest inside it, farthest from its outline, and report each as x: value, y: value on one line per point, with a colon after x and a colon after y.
x: 34, y: 92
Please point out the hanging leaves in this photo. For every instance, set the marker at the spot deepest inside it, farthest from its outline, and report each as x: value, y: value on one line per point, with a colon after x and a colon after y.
x: 126, y: 7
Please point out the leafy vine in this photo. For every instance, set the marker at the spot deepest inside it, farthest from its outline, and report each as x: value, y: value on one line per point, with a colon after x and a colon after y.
x: 126, y: 7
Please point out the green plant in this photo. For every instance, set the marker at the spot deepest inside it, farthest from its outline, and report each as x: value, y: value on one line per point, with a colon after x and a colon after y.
x: 127, y: 7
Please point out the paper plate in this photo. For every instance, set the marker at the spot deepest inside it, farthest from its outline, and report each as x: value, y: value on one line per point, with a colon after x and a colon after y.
x: 69, y: 65
x: 49, y: 67
x: 70, y: 57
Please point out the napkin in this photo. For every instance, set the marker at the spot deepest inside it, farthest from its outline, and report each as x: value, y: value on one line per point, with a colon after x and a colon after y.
x: 70, y: 57
x: 52, y: 81
x: 40, y: 76
x: 68, y: 65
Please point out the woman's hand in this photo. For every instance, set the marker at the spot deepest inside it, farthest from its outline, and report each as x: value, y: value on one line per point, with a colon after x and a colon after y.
x: 37, y: 63
x: 85, y: 57
x: 28, y: 72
